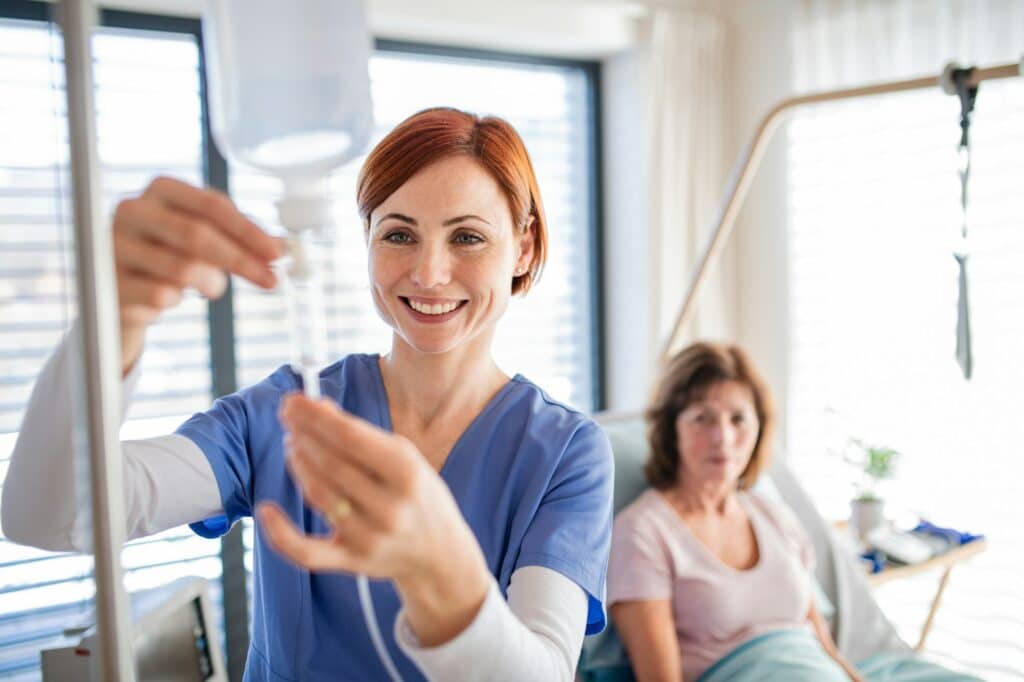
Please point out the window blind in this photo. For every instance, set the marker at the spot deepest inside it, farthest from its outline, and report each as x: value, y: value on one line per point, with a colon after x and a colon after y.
x: 874, y: 209
x: 148, y: 123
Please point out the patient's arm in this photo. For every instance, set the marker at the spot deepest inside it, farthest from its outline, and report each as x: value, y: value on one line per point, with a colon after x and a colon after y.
x: 822, y: 631
x: 647, y: 630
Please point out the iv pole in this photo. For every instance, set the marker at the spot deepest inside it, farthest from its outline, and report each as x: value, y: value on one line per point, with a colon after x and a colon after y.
x: 96, y: 441
x: 750, y: 159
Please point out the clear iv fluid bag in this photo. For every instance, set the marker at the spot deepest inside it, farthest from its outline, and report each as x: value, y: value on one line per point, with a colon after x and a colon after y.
x: 289, y: 85
x: 290, y: 97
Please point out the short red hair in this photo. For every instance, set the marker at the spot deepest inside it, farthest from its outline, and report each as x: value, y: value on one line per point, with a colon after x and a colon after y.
x: 436, y: 134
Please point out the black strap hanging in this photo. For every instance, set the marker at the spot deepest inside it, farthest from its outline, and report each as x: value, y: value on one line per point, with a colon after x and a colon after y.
x: 968, y: 94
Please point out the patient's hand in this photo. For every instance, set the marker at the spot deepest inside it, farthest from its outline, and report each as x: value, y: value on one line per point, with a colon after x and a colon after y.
x: 825, y: 637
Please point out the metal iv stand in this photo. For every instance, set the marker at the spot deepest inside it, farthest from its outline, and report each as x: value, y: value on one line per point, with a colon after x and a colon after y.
x: 750, y: 159
x: 96, y: 424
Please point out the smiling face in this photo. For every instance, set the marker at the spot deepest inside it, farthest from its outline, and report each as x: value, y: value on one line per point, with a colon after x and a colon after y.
x: 716, y: 435
x: 443, y: 251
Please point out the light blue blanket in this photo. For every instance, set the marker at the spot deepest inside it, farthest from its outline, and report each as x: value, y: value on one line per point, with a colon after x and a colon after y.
x: 797, y: 656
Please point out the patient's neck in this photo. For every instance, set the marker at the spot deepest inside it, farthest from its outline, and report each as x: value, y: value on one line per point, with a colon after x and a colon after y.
x: 707, y: 498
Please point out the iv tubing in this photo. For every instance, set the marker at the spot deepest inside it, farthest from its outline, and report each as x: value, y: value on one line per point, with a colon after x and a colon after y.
x: 304, y: 284
x: 370, y: 616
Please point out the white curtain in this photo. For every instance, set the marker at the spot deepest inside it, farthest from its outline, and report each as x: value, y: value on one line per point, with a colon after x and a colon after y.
x: 686, y: 52
x: 848, y: 42
x: 873, y: 206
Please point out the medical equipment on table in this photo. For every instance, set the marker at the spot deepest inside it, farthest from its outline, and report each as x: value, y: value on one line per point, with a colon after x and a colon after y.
x: 173, y: 640
x: 290, y: 96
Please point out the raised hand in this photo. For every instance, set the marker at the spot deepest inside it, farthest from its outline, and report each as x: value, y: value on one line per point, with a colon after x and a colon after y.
x: 175, y: 236
x: 392, y: 515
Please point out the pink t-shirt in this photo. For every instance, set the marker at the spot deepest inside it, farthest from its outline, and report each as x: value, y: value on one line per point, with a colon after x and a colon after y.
x: 716, y: 607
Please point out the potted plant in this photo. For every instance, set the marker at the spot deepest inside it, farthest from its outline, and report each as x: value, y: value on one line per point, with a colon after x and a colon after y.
x: 876, y: 463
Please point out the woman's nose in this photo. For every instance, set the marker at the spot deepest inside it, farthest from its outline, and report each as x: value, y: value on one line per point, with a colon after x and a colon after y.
x: 432, y: 267
x: 718, y: 431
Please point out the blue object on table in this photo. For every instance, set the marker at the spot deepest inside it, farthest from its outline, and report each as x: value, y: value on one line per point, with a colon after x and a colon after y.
x: 876, y: 558
x: 954, y: 537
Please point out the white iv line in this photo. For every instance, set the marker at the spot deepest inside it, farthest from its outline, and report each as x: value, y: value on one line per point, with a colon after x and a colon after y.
x: 306, y: 318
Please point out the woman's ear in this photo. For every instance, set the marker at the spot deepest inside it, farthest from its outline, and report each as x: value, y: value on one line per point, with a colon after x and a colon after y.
x: 527, y: 243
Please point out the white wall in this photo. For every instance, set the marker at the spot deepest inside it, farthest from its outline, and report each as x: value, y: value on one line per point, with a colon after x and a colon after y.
x: 761, y: 77
x: 628, y: 327
x: 755, y: 257
x: 567, y: 28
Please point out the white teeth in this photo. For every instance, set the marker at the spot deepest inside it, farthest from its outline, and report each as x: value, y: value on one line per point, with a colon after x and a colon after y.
x: 435, y: 309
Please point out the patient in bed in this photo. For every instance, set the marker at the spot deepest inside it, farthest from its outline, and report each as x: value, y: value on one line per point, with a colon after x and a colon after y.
x: 701, y: 566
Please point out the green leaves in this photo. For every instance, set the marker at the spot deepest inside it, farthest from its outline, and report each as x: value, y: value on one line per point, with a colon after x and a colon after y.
x: 880, y: 462
x: 876, y: 462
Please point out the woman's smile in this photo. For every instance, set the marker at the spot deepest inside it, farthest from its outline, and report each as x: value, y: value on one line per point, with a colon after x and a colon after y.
x: 432, y: 310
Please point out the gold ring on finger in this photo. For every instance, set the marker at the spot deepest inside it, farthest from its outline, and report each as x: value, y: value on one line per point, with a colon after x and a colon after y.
x: 341, y: 509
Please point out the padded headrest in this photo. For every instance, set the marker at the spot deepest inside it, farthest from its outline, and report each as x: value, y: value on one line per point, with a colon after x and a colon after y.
x: 629, y: 447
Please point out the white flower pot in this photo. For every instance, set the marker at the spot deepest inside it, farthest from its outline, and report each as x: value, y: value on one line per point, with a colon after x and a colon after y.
x: 866, y: 515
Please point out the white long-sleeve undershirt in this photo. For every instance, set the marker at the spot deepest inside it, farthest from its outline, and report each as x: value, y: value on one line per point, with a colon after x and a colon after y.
x: 536, y: 635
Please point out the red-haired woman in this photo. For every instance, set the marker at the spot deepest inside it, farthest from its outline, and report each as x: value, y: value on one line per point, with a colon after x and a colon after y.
x: 481, y: 504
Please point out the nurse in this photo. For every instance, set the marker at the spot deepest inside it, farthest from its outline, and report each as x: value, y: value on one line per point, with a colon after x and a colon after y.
x: 480, y: 504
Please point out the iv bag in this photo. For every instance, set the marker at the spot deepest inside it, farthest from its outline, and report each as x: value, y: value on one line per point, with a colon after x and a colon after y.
x: 289, y: 84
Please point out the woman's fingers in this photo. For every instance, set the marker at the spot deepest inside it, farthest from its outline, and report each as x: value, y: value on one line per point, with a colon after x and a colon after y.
x: 385, y: 455
x: 350, y: 548
x: 218, y: 209
x: 325, y: 478
x: 143, y: 298
x: 317, y: 554
x: 156, y: 262
x: 191, y: 236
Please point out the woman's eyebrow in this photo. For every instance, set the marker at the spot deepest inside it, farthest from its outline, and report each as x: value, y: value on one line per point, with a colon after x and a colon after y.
x: 398, y: 216
x: 459, y: 219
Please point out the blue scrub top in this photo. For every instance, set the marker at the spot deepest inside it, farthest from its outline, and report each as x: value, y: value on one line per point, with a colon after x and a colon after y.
x: 532, y: 477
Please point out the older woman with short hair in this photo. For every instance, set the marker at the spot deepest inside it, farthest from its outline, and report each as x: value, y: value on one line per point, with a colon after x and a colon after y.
x: 701, y: 564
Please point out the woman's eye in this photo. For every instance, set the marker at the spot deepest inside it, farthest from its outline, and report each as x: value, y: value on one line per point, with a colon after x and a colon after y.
x: 467, y: 238
x: 398, y: 238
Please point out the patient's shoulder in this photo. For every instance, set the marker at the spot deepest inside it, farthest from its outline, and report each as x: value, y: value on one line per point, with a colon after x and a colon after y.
x: 651, y: 520
x: 641, y: 511
x: 781, y: 517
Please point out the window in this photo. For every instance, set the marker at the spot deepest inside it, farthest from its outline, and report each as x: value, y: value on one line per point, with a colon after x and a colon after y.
x: 874, y: 209
x: 146, y: 125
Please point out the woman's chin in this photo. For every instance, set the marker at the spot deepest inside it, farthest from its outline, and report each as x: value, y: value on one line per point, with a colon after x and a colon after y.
x: 429, y: 343
x: 720, y: 475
